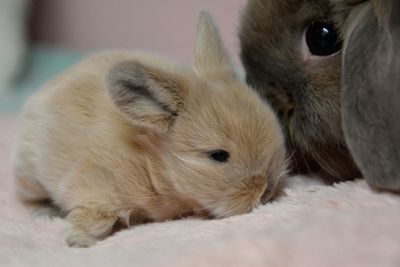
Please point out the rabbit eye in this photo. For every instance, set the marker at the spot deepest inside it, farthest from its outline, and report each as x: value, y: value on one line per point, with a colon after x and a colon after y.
x: 322, y: 39
x: 219, y: 155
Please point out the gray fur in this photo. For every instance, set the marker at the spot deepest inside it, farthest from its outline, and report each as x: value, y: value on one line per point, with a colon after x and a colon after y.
x: 306, y: 97
x: 349, y: 101
x: 371, y: 96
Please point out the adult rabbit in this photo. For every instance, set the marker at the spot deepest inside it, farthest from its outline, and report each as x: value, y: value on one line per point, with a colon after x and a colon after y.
x: 329, y: 67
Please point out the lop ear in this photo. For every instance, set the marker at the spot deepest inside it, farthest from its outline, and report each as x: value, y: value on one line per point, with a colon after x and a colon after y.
x: 370, y: 92
x: 211, y: 59
x: 147, y: 95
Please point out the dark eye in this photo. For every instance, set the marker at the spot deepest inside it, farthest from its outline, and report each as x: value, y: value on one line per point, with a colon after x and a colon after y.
x: 219, y: 155
x: 322, y: 39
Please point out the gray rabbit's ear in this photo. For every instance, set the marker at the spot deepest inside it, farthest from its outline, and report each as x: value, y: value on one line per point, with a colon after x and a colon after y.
x: 371, y: 92
x: 146, y: 95
x: 211, y: 59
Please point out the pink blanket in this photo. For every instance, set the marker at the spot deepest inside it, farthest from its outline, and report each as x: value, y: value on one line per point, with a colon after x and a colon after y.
x: 314, y: 224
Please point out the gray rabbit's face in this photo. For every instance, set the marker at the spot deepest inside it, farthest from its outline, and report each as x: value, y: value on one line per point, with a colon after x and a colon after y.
x: 292, y: 56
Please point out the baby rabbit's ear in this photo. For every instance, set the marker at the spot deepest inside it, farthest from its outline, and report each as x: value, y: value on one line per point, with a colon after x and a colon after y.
x: 146, y: 95
x: 211, y: 59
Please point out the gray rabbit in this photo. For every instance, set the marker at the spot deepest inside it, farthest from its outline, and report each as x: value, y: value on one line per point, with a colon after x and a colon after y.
x: 331, y: 70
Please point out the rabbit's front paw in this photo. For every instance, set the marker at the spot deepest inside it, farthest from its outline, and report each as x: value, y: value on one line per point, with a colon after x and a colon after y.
x: 77, y: 238
x: 88, y: 226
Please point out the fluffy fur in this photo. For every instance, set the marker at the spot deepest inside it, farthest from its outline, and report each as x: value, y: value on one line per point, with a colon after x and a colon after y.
x: 371, y: 90
x: 305, y: 93
x: 345, y: 101
x: 124, y: 138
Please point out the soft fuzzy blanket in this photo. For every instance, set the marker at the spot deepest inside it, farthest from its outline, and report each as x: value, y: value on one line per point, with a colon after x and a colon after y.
x: 313, y: 224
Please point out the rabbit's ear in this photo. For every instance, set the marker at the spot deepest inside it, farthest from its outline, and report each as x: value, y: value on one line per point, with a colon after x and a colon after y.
x: 211, y: 59
x: 371, y: 95
x: 146, y: 95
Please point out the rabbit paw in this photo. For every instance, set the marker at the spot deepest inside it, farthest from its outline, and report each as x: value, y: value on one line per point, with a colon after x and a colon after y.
x: 88, y: 227
x: 77, y: 238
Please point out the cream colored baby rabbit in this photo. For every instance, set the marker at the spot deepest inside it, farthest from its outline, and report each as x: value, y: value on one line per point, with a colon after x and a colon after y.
x: 127, y: 134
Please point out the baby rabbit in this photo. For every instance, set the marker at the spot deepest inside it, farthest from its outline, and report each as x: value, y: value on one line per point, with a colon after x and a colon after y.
x: 291, y: 51
x: 293, y: 56
x: 130, y: 135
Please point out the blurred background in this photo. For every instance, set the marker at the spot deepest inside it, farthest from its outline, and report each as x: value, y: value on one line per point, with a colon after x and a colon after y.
x: 40, y: 38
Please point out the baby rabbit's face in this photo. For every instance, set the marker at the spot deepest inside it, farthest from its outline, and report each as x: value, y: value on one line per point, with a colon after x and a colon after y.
x: 292, y: 55
x: 229, y: 149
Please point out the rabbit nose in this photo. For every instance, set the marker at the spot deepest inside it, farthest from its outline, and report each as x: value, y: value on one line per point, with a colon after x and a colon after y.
x: 255, y: 183
x: 285, y: 113
x: 280, y: 102
x: 284, y: 109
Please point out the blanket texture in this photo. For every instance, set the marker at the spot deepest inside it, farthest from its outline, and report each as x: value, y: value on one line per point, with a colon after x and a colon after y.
x: 312, y: 224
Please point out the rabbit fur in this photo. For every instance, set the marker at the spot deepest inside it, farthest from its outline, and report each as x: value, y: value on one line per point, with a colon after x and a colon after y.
x: 125, y: 138
x: 371, y: 89
x: 304, y: 92
x: 338, y: 119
